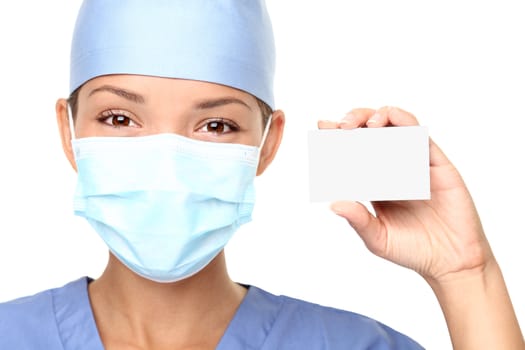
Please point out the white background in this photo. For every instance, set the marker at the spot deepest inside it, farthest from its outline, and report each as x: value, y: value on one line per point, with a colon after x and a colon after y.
x: 457, y: 65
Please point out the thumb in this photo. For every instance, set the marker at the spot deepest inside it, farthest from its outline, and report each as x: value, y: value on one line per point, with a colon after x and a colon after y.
x: 368, y: 227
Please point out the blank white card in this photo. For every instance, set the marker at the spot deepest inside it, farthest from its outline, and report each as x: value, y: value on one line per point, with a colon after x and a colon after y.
x: 369, y: 164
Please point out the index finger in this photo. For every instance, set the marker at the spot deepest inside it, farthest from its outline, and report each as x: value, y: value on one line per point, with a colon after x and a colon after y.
x: 391, y: 116
x: 356, y: 118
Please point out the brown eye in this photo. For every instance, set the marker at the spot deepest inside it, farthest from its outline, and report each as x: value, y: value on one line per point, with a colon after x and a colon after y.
x: 219, y: 127
x: 216, y: 127
x: 120, y: 120
x: 117, y: 119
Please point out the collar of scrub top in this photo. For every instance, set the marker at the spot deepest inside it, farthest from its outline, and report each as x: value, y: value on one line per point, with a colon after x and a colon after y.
x: 228, y: 42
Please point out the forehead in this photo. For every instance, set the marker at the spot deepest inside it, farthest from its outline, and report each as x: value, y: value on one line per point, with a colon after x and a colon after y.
x: 158, y: 88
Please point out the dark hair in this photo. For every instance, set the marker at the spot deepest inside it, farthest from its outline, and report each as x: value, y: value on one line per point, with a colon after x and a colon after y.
x: 266, y: 111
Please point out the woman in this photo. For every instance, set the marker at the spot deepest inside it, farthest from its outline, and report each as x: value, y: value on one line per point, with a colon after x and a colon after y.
x: 172, y: 116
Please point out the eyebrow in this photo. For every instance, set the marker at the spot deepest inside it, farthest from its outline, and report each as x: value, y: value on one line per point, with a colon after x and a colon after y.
x: 137, y: 98
x: 218, y: 102
x: 128, y: 95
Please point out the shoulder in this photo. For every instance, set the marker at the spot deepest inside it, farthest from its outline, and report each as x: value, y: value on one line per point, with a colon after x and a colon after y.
x: 326, y: 327
x: 27, y: 313
x: 31, y: 320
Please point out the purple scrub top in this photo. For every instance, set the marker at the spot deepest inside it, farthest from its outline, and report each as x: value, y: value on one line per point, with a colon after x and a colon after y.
x: 62, y: 319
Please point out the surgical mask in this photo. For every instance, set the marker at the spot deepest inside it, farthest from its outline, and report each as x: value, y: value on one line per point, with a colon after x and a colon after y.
x: 165, y: 205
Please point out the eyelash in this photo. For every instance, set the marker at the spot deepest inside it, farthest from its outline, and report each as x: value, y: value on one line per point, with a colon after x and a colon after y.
x: 106, y: 115
x: 226, y: 123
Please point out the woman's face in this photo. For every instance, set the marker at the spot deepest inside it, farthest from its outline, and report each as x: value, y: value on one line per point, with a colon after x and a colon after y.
x: 134, y: 105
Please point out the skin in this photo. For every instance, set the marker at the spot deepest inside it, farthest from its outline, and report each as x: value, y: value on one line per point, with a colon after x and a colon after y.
x: 442, y: 239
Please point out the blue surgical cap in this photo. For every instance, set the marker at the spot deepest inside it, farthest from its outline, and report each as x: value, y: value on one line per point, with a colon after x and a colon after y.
x: 228, y: 42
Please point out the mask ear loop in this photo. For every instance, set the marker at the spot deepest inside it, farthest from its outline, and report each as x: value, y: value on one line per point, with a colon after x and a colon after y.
x: 70, y: 121
x: 266, y: 131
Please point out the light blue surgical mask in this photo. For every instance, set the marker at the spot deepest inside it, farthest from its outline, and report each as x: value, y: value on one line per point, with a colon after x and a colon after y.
x: 165, y: 205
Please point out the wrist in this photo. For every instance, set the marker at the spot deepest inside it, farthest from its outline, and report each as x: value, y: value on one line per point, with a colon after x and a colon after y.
x: 477, y: 277
x: 478, y: 309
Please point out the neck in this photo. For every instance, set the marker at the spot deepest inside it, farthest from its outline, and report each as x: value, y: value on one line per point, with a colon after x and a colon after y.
x: 131, y: 310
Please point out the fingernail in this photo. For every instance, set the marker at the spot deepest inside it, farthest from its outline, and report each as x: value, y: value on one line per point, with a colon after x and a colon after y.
x: 337, y: 208
x: 373, y: 119
x: 345, y: 124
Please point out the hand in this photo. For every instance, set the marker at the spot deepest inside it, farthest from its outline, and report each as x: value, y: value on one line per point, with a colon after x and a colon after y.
x: 441, y: 238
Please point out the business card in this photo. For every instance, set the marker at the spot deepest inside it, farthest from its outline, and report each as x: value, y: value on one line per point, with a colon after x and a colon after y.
x: 369, y: 164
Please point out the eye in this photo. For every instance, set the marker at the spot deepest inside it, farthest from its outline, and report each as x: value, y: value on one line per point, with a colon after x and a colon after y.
x: 219, y: 126
x: 117, y: 119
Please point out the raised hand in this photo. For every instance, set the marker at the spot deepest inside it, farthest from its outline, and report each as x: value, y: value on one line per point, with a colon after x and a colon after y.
x: 437, y: 237
x: 443, y: 240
